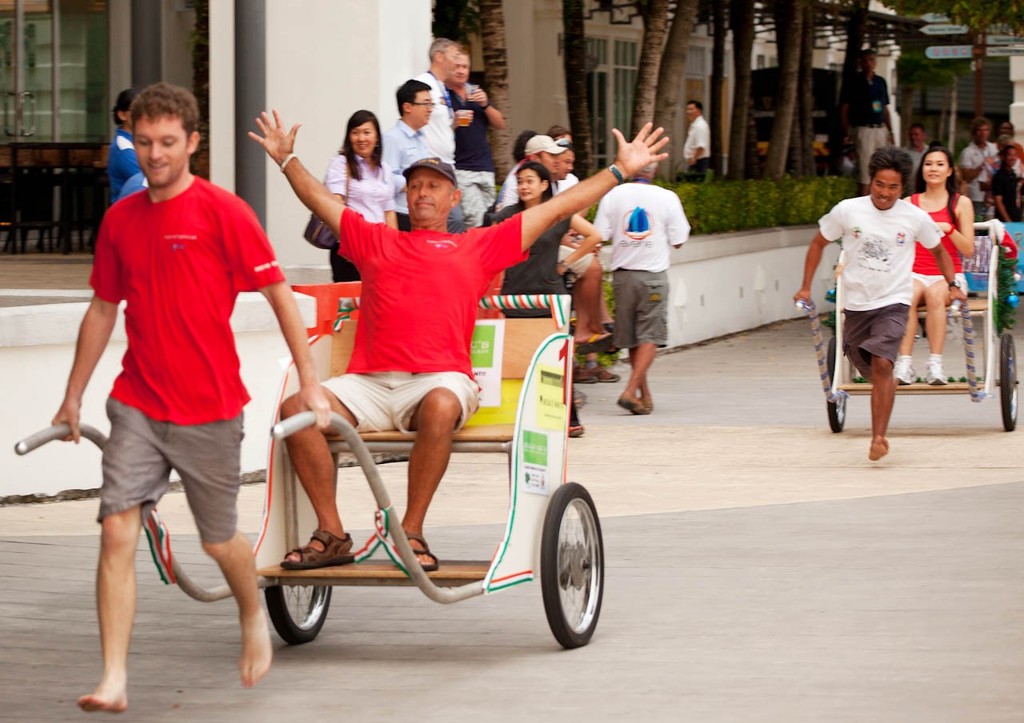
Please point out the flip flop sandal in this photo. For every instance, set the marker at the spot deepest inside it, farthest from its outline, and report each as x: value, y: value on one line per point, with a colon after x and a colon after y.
x: 635, y: 406
x: 596, y: 344
x: 337, y: 551
x: 430, y: 566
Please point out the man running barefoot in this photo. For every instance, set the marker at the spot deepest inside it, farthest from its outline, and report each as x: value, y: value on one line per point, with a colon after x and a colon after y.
x: 877, y: 233
x: 178, y: 255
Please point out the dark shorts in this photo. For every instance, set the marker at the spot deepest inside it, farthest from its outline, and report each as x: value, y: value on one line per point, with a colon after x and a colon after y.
x: 139, y: 456
x: 641, y: 308
x: 876, y: 332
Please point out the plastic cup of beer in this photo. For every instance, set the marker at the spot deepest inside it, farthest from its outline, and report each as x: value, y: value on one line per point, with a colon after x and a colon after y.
x: 464, y: 117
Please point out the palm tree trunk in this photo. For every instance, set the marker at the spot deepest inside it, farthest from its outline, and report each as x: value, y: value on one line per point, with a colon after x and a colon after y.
x: 788, y: 30
x: 717, y: 110
x: 806, y: 140
x: 670, y: 78
x: 741, y: 17
x: 655, y: 16
x: 576, y: 84
x: 492, y: 35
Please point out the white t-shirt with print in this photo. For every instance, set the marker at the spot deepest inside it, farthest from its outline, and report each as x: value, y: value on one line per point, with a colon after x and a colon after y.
x: 879, y: 248
x: 643, y: 223
x: 986, y: 159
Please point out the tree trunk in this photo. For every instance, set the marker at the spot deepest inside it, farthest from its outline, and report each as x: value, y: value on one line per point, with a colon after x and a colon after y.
x: 492, y: 36
x: 855, y: 28
x: 670, y: 79
x: 717, y: 110
x: 806, y: 140
x: 741, y: 17
x: 788, y: 30
x: 906, y: 113
x: 576, y: 85
x: 655, y: 17
x: 201, y: 85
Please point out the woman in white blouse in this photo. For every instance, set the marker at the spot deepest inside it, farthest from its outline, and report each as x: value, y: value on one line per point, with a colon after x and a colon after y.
x: 359, y: 176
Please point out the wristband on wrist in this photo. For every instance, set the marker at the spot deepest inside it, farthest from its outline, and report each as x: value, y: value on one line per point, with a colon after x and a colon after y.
x: 287, y: 158
x: 617, y: 173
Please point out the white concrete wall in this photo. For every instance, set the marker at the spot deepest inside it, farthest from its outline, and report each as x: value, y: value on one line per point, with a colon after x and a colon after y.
x: 36, y: 351
x: 324, y: 62
x: 719, y: 284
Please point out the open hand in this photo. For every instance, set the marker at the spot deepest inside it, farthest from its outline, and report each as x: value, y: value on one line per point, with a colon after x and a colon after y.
x: 642, y: 150
x: 275, y: 141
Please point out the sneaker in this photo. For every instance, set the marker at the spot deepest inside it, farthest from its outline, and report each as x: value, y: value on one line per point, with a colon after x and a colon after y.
x: 903, y: 371
x: 935, y: 376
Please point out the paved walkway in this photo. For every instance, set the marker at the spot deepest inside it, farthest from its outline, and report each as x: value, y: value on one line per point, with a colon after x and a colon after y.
x: 759, y: 568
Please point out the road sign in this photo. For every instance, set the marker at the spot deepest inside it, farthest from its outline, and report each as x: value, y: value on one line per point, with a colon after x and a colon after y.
x: 944, y: 29
x: 1001, y: 51
x: 935, y: 18
x: 948, y: 52
x: 1003, y: 39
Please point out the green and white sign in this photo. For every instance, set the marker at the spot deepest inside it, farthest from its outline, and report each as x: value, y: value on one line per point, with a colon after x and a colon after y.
x: 485, y: 352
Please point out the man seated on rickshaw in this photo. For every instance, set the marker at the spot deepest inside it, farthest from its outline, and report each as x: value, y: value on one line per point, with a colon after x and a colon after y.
x: 410, y: 368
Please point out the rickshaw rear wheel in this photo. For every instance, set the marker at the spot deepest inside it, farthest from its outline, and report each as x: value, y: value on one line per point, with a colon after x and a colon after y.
x: 836, y: 410
x: 298, y: 611
x: 572, y: 565
x: 1008, y: 381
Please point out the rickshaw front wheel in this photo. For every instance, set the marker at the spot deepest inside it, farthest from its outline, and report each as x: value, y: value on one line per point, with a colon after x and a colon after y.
x: 1008, y: 382
x: 298, y: 611
x: 572, y: 565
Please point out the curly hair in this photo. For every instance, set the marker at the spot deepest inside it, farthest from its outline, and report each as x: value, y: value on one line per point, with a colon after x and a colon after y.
x: 163, y: 100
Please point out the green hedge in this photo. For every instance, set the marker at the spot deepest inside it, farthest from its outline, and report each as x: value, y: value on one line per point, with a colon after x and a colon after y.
x: 717, y: 206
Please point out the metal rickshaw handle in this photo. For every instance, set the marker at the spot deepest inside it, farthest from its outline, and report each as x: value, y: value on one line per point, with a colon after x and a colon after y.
x: 291, y: 425
x: 58, y: 431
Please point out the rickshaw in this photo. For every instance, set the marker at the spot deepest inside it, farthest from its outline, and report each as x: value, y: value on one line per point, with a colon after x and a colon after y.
x: 999, y: 368
x: 552, y: 530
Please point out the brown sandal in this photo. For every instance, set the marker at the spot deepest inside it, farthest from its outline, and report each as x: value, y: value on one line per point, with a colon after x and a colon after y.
x: 427, y: 567
x: 337, y: 551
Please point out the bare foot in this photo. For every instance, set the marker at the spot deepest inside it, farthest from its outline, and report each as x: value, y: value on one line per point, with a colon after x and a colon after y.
x: 257, y: 652
x: 879, y: 448
x: 109, y: 697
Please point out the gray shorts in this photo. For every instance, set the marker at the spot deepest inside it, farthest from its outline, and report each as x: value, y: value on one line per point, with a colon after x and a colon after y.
x: 876, y: 332
x: 641, y: 308
x: 140, y: 454
x: 387, y: 400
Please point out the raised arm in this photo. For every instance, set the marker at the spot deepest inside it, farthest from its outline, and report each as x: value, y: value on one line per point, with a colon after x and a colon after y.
x: 629, y: 159
x: 279, y: 146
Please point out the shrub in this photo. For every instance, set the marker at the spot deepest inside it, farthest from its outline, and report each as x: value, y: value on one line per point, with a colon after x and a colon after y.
x: 719, y: 205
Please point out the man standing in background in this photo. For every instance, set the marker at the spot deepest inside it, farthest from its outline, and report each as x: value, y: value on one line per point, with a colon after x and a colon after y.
x: 697, y: 149
x: 864, y: 114
x: 440, y: 131
x: 474, y: 165
x: 405, y: 142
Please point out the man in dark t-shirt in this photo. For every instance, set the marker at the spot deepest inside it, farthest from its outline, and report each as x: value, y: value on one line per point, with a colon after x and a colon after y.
x: 864, y: 114
x: 1006, y: 185
x: 474, y: 166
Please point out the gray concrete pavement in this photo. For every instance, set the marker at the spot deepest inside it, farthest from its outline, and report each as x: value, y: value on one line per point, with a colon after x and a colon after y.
x: 759, y: 568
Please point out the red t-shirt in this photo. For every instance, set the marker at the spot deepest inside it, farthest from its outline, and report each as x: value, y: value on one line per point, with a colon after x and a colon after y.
x: 421, y: 290
x: 924, y: 261
x: 179, y: 264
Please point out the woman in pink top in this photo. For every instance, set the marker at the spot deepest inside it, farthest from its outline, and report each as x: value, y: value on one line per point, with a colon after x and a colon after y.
x: 363, y: 181
x: 937, y: 194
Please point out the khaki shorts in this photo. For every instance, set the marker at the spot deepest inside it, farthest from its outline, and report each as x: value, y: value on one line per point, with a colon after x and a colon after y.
x: 579, y: 265
x: 139, y: 456
x: 641, y: 308
x: 875, y: 332
x: 387, y: 400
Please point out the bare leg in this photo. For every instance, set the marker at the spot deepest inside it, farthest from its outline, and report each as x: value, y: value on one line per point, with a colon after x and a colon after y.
x: 434, y: 422
x: 641, y: 357
x: 588, y: 296
x: 115, y: 604
x: 311, y: 458
x: 907, y: 345
x: 883, y: 394
x: 236, y: 561
x: 936, y: 297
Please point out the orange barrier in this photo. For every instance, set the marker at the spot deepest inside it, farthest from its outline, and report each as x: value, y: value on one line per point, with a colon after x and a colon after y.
x: 327, y: 297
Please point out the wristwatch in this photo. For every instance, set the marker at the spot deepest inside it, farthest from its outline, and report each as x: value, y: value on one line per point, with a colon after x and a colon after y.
x: 954, y: 284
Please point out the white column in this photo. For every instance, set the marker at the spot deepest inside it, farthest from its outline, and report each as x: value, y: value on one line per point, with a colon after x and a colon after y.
x: 1017, y: 106
x: 327, y: 59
